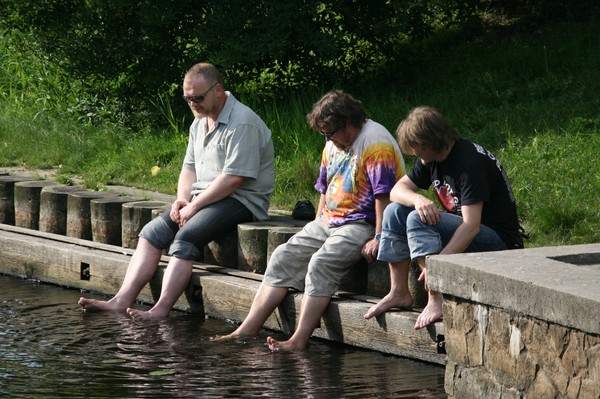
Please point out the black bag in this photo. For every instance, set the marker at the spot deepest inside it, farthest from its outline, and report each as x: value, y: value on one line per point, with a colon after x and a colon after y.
x: 304, y: 210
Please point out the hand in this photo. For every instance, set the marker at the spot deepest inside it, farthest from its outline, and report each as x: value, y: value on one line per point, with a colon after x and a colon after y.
x: 186, y: 214
x: 427, y: 210
x: 175, y: 210
x: 370, y: 249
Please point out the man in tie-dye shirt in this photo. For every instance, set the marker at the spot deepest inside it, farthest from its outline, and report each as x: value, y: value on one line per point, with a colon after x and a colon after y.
x: 360, y: 165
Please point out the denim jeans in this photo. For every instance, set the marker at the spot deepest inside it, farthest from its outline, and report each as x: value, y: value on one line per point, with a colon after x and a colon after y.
x: 206, y: 225
x: 405, y: 236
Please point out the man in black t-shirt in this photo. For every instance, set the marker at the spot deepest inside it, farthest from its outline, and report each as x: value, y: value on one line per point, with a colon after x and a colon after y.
x: 479, y: 211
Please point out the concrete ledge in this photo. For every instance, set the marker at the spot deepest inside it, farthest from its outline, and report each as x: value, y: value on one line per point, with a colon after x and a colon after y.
x: 521, y: 324
x: 556, y: 284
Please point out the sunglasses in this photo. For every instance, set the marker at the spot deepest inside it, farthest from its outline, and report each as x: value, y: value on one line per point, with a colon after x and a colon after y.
x: 329, y: 135
x: 200, y: 98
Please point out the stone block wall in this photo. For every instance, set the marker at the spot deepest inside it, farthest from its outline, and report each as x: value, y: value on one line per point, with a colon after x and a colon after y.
x: 496, y: 353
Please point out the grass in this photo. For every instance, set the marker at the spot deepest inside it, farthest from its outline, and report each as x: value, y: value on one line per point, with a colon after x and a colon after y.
x: 529, y: 97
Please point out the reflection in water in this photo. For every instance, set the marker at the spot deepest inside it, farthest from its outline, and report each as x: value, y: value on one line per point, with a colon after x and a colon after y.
x: 50, y: 348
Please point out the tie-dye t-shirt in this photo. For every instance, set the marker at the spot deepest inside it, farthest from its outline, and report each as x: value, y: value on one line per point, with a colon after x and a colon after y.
x: 351, y: 179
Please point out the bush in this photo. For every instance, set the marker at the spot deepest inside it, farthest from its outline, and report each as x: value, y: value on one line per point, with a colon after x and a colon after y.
x: 133, y: 51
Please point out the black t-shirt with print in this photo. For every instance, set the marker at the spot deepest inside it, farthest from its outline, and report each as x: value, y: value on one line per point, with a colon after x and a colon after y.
x: 470, y: 174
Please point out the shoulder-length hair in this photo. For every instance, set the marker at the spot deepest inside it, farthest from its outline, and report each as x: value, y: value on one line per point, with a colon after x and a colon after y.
x: 335, y: 109
x: 426, y: 127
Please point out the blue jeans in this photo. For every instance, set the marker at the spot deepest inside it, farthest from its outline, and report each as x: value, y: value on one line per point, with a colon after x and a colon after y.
x: 205, y: 226
x: 405, y: 236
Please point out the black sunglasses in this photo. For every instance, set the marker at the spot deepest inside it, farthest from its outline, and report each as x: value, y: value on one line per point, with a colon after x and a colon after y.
x: 200, y: 98
x: 329, y: 135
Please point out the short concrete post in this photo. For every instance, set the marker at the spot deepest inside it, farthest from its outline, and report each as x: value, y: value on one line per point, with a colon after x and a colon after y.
x: 223, y: 250
x: 7, y: 198
x: 134, y: 218
x: 252, y: 245
x: 378, y: 282
x: 79, y: 215
x: 106, y: 214
x: 158, y: 211
x: 416, y: 287
x: 378, y: 279
x: 53, y: 208
x: 277, y: 236
x: 356, y: 279
x: 27, y: 203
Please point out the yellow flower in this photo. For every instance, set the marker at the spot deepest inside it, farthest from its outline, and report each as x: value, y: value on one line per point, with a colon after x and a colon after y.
x: 155, y: 170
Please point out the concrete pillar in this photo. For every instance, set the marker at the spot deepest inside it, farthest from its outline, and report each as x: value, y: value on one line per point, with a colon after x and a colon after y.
x: 53, y: 208
x: 106, y: 214
x: 416, y: 287
x: 356, y: 279
x: 79, y: 215
x: 277, y: 236
x: 378, y: 277
x: 252, y: 245
x: 223, y: 250
x: 27, y: 203
x: 158, y: 211
x: 7, y: 198
x: 134, y: 218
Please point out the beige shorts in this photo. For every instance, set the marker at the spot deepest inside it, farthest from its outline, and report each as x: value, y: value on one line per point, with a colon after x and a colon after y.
x: 317, y: 258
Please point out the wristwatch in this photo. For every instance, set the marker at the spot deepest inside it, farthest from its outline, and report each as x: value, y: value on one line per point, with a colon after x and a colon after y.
x: 378, y: 237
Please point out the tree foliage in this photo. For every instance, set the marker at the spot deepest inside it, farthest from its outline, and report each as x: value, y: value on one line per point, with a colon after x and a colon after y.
x: 138, y: 50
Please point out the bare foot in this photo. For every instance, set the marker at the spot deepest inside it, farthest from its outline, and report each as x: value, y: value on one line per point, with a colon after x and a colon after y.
x: 145, y: 314
x: 390, y: 301
x: 96, y: 304
x: 432, y: 312
x: 231, y: 336
x: 227, y: 337
x: 288, y: 346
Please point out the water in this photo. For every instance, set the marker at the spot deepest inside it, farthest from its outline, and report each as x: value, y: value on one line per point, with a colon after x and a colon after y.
x: 51, y: 349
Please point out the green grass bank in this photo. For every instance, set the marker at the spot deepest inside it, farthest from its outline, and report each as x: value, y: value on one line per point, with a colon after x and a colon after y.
x: 528, y: 95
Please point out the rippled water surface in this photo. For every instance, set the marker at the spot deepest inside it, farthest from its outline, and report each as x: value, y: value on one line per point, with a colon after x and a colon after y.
x: 50, y: 348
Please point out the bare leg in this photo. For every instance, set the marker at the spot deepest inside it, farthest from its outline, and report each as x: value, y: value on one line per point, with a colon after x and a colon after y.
x: 140, y: 270
x: 399, y: 295
x: 176, y: 278
x: 432, y: 312
x: 265, y: 302
x: 312, y: 309
x: 433, y: 309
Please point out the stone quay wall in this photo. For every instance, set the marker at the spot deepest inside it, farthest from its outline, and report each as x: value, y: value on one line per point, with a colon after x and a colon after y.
x: 521, y: 324
x: 84, y: 239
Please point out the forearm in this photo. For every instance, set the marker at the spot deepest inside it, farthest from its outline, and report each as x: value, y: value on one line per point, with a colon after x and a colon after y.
x: 467, y: 231
x: 222, y: 187
x: 381, y: 202
x: 187, y: 178
x: 371, y: 247
x: 408, y: 198
x: 405, y: 192
x: 462, y: 238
